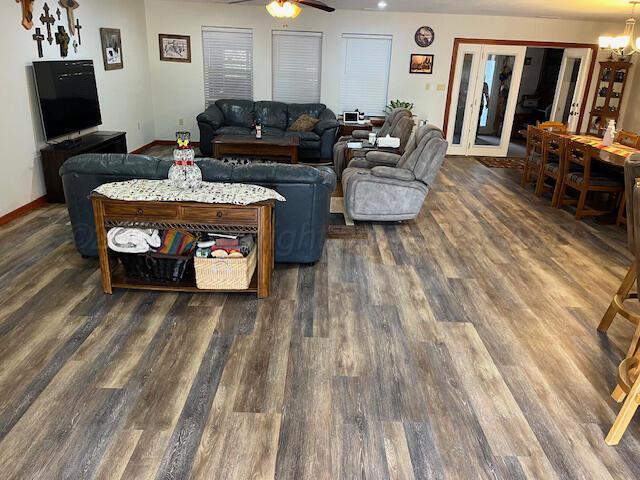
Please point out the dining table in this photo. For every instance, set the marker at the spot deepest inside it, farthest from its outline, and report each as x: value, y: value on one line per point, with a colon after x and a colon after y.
x: 614, y: 154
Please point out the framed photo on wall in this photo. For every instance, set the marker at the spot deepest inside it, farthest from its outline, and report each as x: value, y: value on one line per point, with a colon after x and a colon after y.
x: 111, y: 48
x: 421, y: 63
x: 175, y: 48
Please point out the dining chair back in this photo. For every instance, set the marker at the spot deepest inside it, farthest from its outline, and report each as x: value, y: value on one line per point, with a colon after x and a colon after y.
x: 558, y: 127
x: 553, y: 166
x: 535, y: 146
x: 629, y: 139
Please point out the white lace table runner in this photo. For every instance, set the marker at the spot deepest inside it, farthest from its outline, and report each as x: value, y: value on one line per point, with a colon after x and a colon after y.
x: 164, y: 191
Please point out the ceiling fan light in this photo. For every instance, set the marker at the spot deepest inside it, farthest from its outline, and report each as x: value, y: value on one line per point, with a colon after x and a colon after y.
x: 283, y: 9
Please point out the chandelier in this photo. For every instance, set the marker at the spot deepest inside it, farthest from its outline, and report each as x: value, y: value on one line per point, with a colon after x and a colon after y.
x: 626, y: 44
x: 282, y: 9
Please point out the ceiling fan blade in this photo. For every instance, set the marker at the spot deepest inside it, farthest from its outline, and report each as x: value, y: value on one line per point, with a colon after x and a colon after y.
x: 315, y: 4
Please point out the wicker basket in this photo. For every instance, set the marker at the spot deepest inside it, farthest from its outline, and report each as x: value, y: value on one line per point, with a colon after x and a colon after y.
x: 225, y: 273
x: 155, y: 267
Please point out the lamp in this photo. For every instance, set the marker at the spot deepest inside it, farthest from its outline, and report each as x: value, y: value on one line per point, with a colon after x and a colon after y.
x: 626, y: 44
x: 282, y: 9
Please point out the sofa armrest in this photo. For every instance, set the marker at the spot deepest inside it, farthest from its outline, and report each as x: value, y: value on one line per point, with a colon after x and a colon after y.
x: 212, y: 116
x: 395, y: 173
x: 359, y: 162
x: 361, y: 134
x: 329, y: 177
x: 385, y: 159
x: 324, y: 125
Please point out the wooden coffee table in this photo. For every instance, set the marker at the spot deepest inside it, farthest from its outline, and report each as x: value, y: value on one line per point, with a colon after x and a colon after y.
x: 251, y: 146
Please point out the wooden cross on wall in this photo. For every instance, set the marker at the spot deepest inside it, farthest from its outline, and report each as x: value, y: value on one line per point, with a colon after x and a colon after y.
x: 62, y: 39
x: 27, y: 13
x: 70, y: 6
x: 39, y: 37
x: 78, y: 28
x: 47, y: 20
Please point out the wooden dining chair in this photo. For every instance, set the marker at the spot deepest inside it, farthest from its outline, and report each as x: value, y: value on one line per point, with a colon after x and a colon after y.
x: 629, y: 139
x: 627, y: 390
x: 557, y: 127
x: 583, y: 178
x: 553, y: 166
x: 533, y: 161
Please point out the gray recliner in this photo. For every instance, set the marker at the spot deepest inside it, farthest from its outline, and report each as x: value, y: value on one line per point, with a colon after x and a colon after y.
x: 388, y: 187
x: 399, y: 123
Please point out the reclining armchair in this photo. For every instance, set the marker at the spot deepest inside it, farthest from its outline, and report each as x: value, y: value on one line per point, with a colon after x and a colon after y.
x: 399, y: 123
x: 388, y: 187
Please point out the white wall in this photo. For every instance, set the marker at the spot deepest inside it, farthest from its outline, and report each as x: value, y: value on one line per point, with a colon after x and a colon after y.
x: 178, y: 88
x: 125, y: 97
x: 631, y: 102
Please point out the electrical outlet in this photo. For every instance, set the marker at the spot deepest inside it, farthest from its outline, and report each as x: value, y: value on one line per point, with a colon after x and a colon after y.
x: 441, y: 87
x: 427, y: 86
x: 181, y: 122
x: 139, y: 126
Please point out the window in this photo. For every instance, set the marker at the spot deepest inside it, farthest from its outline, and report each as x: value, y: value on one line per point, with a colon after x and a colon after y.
x: 228, y: 63
x: 365, y: 73
x: 297, y: 61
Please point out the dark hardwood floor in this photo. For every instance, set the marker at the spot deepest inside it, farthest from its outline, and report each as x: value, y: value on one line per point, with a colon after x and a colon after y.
x: 462, y: 346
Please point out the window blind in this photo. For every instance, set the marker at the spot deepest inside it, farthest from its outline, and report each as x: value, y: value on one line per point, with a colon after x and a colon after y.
x: 228, y: 63
x: 366, y: 61
x: 297, y: 63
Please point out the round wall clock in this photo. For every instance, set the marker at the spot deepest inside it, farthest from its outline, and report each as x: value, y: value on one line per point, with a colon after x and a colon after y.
x: 425, y: 36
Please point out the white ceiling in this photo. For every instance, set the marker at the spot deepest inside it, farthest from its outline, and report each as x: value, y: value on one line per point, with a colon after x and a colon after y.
x: 568, y: 9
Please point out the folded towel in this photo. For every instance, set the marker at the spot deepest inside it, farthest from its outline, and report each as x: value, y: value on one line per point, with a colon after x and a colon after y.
x: 132, y: 240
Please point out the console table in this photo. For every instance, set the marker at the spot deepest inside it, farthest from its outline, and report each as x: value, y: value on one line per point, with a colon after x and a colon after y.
x: 255, y: 218
x: 54, y: 156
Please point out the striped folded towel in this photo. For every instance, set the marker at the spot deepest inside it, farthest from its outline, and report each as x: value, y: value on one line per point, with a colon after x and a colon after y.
x: 177, y: 242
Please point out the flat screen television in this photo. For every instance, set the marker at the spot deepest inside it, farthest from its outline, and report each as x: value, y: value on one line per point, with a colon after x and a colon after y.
x: 68, y: 96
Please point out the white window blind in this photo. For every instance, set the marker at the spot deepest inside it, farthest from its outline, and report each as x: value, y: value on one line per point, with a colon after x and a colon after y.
x: 297, y: 61
x: 228, y: 63
x: 365, y: 73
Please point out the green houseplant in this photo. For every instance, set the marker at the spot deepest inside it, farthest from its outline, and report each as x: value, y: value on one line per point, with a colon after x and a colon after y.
x: 398, y: 104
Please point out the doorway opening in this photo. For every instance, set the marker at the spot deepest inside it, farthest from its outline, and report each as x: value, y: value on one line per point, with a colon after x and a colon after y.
x: 497, y: 88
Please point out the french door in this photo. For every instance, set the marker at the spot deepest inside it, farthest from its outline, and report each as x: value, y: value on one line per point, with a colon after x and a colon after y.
x: 571, y: 87
x: 484, y: 99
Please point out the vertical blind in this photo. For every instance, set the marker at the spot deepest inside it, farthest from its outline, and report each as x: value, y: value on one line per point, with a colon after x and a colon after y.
x: 365, y: 73
x: 297, y: 61
x: 228, y: 63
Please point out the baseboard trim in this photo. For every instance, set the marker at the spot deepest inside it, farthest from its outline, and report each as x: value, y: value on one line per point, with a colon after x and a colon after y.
x: 143, y: 148
x: 23, y: 210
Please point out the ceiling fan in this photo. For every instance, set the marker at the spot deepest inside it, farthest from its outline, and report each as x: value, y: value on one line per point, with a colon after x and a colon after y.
x: 290, y: 8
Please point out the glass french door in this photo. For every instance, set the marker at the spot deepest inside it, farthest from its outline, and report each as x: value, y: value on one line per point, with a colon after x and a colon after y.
x: 484, y: 99
x: 571, y: 86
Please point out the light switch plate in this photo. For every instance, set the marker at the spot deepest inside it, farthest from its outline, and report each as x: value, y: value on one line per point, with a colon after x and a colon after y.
x: 441, y: 87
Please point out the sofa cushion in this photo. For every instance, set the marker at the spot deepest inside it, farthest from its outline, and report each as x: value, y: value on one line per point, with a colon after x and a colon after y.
x: 233, y: 131
x: 304, y: 123
x: 237, y: 113
x: 303, y: 135
x: 297, y: 109
x: 272, y: 132
x: 271, y: 114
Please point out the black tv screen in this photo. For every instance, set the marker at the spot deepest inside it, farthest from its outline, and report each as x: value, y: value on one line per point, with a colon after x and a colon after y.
x: 68, y: 96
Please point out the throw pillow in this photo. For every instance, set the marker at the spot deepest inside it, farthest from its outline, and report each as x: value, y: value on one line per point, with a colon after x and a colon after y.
x: 304, y: 123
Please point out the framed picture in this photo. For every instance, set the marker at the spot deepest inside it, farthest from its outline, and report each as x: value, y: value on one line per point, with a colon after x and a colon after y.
x: 421, y: 63
x: 424, y: 36
x: 111, y: 48
x: 175, y: 48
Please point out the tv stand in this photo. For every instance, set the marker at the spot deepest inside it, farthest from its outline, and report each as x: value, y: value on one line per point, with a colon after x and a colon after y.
x: 54, y: 156
x: 68, y: 144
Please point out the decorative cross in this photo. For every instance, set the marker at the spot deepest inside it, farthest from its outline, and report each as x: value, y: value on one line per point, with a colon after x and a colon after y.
x: 62, y: 39
x: 47, y: 20
x: 78, y: 28
x: 58, y: 13
x: 70, y: 6
x: 27, y: 13
x: 39, y: 37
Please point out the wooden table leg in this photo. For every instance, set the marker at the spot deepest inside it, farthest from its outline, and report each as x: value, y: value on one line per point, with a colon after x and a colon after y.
x: 265, y: 252
x: 216, y: 151
x: 103, y: 252
x: 294, y: 154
